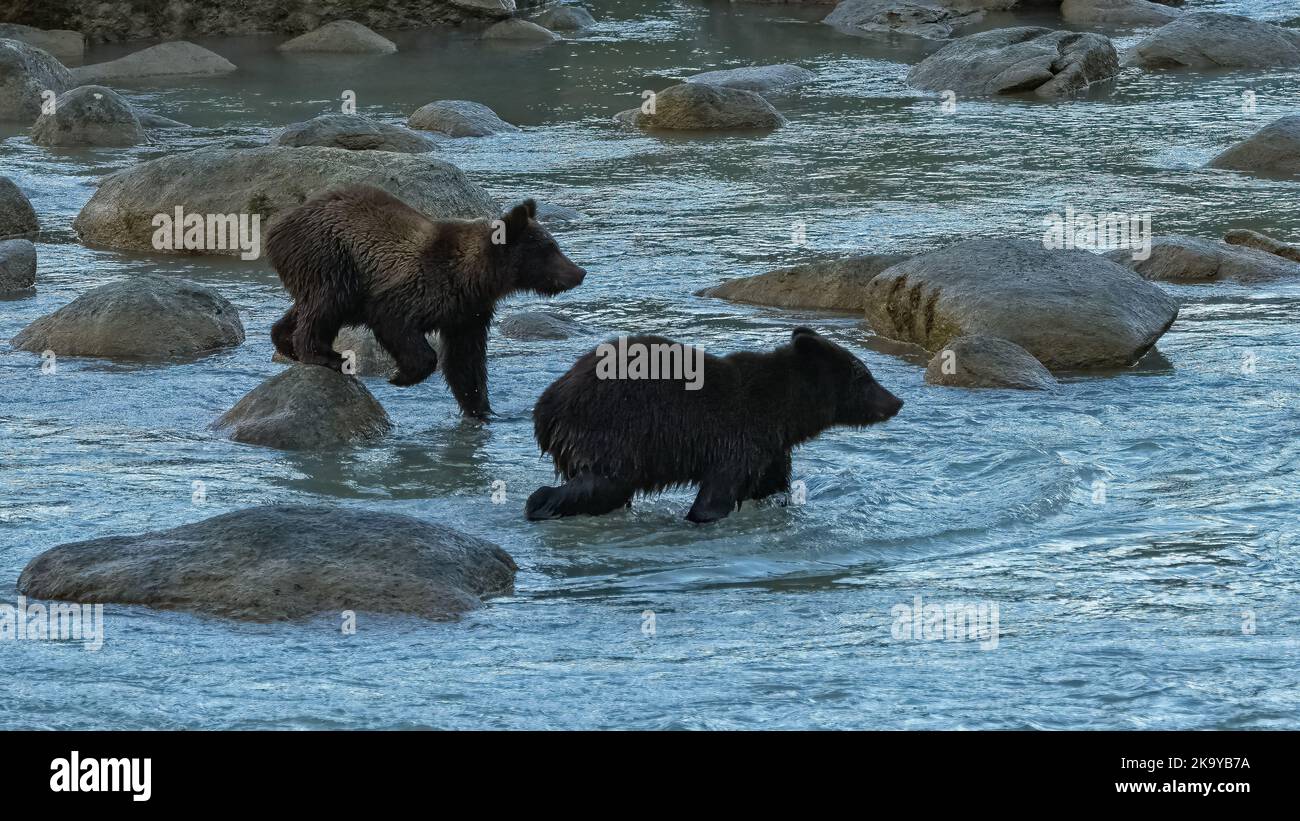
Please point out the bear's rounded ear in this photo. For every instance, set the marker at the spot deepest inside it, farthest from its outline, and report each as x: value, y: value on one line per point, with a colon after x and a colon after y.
x: 531, y: 205
x: 810, y: 343
x: 516, y: 220
x: 803, y: 330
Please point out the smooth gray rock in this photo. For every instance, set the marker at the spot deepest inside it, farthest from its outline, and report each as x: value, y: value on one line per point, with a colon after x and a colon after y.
x: 89, y: 116
x: 1273, y: 151
x: 306, y: 407
x: 156, y: 121
x: 354, y: 133
x: 281, y: 562
x: 1071, y: 310
x: 1261, y: 242
x: 534, y: 325
x: 64, y: 45
x: 1118, y: 12
x: 931, y: 19
x: 178, y: 58
x: 17, y: 265
x: 1178, y: 258
x: 520, y: 31
x: 755, y: 78
x: 143, y: 317
x: 17, y: 217
x: 1046, y: 63
x: 340, y: 37
x: 831, y: 285
x: 565, y: 18
x: 368, y: 357
x: 265, y: 181
x: 26, y: 72
x: 491, y: 9
x: 977, y: 361
x: 1205, y: 39
x: 459, y: 118
x: 700, y: 107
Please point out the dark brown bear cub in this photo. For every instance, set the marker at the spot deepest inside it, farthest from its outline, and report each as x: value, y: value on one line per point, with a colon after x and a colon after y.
x: 613, y: 430
x: 360, y: 256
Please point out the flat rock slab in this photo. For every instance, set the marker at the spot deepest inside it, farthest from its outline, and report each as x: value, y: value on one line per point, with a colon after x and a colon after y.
x: 354, y: 133
x: 459, y: 118
x: 833, y: 285
x: 89, y: 116
x: 306, y: 407
x: 143, y: 317
x: 340, y: 37
x: 755, y: 78
x: 17, y: 265
x: 265, y: 181
x: 930, y: 19
x: 281, y: 562
x: 1273, y: 151
x: 1205, y: 39
x: 1178, y: 258
x: 175, y: 59
x: 1071, y: 310
x: 1022, y: 60
x: 701, y: 107
x: 987, y: 362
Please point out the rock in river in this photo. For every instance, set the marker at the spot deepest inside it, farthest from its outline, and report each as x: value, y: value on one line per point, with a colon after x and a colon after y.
x: 175, y: 59
x: 353, y: 132
x: 700, y: 107
x: 89, y: 116
x: 306, y: 407
x: 832, y: 285
x: 1178, y: 258
x: 27, y: 72
x: 340, y: 37
x: 1273, y: 151
x: 1046, y: 63
x: 987, y: 362
x: 1205, y: 39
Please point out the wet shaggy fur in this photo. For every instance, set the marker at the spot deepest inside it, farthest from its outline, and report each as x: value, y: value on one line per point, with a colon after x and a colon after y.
x: 360, y: 256
x: 612, y: 438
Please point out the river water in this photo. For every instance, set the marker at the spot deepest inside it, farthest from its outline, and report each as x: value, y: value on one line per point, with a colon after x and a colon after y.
x: 1137, y: 532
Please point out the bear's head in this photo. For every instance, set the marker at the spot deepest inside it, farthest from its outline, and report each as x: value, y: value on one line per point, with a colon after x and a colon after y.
x: 858, y: 398
x: 533, y: 259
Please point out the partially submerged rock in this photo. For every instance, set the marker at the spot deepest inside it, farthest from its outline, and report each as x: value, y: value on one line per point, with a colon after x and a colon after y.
x: 359, y: 347
x: 265, y: 181
x: 89, y: 116
x: 143, y: 317
x: 157, y: 121
x: 1071, y: 310
x: 534, y: 325
x: 459, y: 118
x: 306, y: 407
x: 1178, y: 258
x: 1273, y: 151
x: 832, y: 285
x: 978, y: 361
x: 17, y: 265
x: 175, y: 59
x: 281, y: 562
x: 700, y: 107
x: 490, y: 9
x: 520, y: 31
x: 1118, y: 12
x: 565, y: 18
x: 340, y: 37
x: 66, y: 46
x: 1026, y: 59
x: 1260, y: 242
x: 17, y: 217
x: 26, y: 73
x: 931, y: 19
x: 1206, y: 39
x: 755, y: 78
x: 354, y: 133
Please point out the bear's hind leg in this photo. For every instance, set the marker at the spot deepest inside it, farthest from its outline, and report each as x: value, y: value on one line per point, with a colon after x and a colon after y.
x: 586, y: 493
x: 718, y: 496
x: 313, y: 339
x: 282, y: 332
x: 775, y: 478
x: 415, y: 357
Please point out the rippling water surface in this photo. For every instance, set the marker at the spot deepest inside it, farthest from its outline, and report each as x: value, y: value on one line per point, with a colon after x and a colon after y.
x: 1127, y: 613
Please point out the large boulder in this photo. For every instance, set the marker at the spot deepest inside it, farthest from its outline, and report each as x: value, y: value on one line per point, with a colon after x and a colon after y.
x: 17, y: 217
x: 931, y: 19
x: 1178, y: 258
x: 66, y: 46
x: 531, y: 326
x: 265, y: 181
x: 340, y: 37
x: 832, y: 285
x: 459, y: 118
x: 1027, y: 59
x: 700, y: 107
x: 281, y: 562
x: 1118, y: 12
x: 1206, y: 39
x: 755, y: 78
x: 354, y: 133
x: 565, y: 18
x: 1273, y: 151
x: 306, y: 407
x: 144, y: 317
x: 26, y: 73
x: 89, y: 116
x: 520, y: 31
x: 977, y: 361
x: 175, y: 59
x: 1070, y: 309
x: 1260, y: 242
x: 17, y: 265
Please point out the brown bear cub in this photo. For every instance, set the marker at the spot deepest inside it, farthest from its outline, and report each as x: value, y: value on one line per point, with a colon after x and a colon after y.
x: 360, y: 256
x: 730, y: 432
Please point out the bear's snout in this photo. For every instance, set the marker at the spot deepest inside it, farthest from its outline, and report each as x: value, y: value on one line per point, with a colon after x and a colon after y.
x: 883, y: 405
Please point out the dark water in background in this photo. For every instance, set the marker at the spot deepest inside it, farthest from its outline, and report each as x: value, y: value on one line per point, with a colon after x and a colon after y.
x: 1125, y: 614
